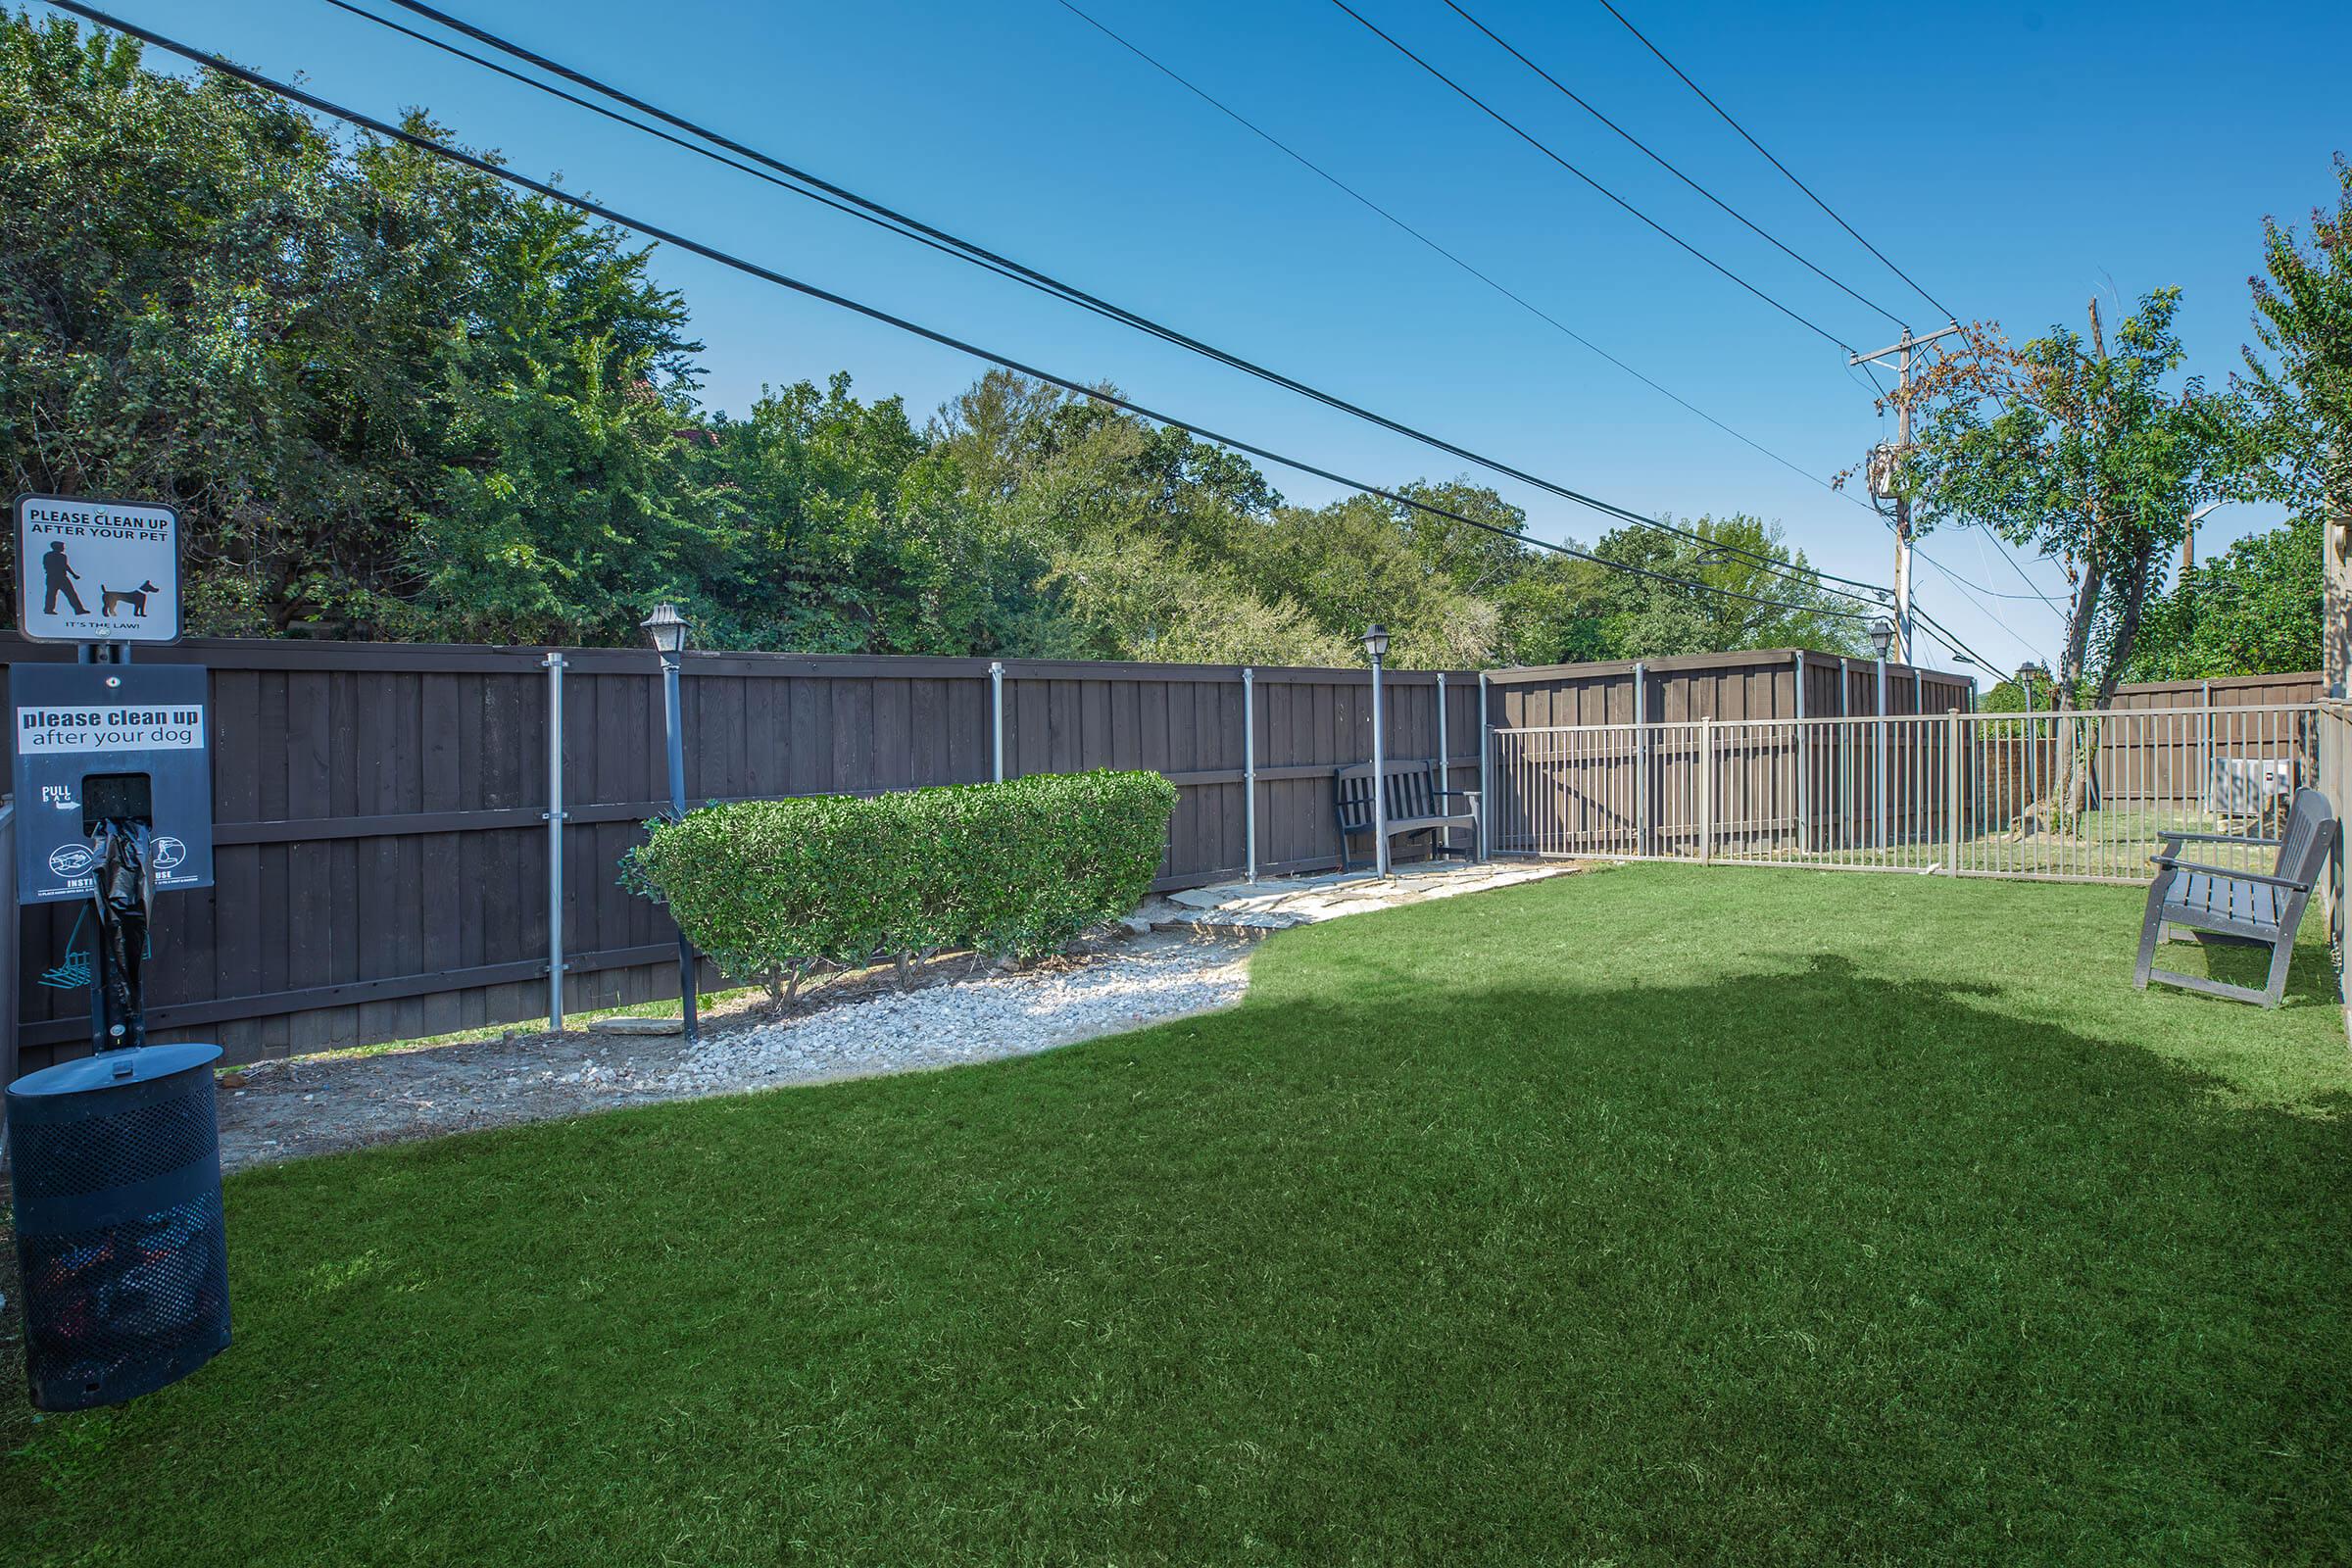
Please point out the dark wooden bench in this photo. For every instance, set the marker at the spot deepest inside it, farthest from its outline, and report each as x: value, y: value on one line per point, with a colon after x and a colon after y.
x: 2240, y: 908
x: 1415, y: 800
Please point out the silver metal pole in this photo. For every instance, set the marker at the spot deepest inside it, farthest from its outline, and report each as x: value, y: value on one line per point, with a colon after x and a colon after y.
x: 1952, y: 782
x: 996, y: 720
x: 673, y: 721
x: 2205, y: 789
x: 1642, y: 833
x: 1804, y: 784
x: 1880, y: 760
x: 1444, y: 772
x: 1380, y: 782
x: 1843, y: 832
x: 1249, y: 770
x: 1706, y: 790
x: 556, y: 817
x: 1486, y: 744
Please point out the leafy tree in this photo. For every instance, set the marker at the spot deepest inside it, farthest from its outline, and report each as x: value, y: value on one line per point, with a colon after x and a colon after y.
x: 1135, y: 598
x: 2303, y: 319
x: 396, y: 398
x: 1759, y: 606
x: 2092, y: 454
x: 389, y: 396
x: 2255, y: 609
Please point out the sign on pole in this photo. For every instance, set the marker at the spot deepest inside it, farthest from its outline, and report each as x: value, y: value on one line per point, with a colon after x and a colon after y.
x: 97, y: 571
x: 98, y: 740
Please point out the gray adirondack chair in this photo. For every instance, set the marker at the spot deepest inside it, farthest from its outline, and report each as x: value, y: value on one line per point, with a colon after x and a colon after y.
x: 2238, y: 909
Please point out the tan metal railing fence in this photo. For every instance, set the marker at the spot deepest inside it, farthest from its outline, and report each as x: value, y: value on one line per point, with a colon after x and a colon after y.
x: 2077, y: 797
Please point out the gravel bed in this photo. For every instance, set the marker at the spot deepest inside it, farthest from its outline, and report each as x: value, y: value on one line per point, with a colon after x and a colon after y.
x: 968, y: 1021
x: 283, y: 1110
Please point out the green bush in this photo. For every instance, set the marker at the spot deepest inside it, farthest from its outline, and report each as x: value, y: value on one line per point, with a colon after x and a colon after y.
x: 774, y: 888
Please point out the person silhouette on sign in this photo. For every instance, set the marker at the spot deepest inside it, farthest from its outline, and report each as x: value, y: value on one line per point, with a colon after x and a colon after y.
x: 62, y: 577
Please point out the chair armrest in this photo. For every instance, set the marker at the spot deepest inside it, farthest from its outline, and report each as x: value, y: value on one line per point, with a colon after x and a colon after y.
x: 1468, y: 795
x: 2171, y: 863
x: 2214, y: 838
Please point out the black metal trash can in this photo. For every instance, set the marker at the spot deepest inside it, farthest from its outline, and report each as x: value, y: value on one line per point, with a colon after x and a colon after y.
x: 116, y: 1167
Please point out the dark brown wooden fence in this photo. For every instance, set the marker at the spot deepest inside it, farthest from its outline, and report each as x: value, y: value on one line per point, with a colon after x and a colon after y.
x: 2223, y: 691
x: 382, y: 850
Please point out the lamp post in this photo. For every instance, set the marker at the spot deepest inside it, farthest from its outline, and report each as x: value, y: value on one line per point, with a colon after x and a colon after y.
x: 665, y: 629
x: 1376, y: 644
x: 2026, y: 675
x: 1882, y: 636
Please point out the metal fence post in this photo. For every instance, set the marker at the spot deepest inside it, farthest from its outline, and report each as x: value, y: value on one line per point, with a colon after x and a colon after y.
x: 1953, y: 734
x: 1444, y: 771
x: 1879, y: 758
x: 1706, y: 790
x: 2205, y: 789
x: 996, y: 720
x: 1249, y: 771
x: 1804, y: 782
x: 556, y: 817
x: 1842, y: 833
x: 1642, y: 833
x: 1380, y: 784
x: 1486, y: 744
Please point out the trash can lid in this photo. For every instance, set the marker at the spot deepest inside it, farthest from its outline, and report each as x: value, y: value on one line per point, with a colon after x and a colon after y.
x: 111, y: 1069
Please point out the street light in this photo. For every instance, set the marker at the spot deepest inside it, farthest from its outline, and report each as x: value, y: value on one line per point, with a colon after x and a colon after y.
x: 2026, y: 675
x: 665, y: 629
x: 1882, y: 636
x: 1376, y: 644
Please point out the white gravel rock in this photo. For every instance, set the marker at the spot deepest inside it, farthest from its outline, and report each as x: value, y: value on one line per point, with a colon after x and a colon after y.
x: 968, y: 1021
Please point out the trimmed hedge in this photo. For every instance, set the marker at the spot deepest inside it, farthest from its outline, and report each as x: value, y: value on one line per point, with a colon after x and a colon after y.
x: 774, y: 888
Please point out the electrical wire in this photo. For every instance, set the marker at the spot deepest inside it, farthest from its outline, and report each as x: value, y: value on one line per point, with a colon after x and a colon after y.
x: 1341, y: 185
x: 1517, y: 130
x: 1660, y: 160
x: 2005, y: 553
x: 609, y: 215
x: 1775, y: 163
x: 800, y: 180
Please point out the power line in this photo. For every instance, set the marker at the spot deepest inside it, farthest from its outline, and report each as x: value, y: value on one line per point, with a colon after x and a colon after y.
x: 1945, y: 635
x: 651, y: 231
x: 1775, y: 163
x: 1660, y: 160
x: 1337, y: 183
x: 898, y: 222
x: 1515, y: 130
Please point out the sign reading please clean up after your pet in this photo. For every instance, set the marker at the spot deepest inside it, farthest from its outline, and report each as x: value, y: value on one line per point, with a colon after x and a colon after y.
x: 97, y: 571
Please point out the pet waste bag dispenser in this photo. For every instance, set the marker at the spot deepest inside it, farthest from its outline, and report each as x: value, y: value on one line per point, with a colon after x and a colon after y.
x: 117, y: 1154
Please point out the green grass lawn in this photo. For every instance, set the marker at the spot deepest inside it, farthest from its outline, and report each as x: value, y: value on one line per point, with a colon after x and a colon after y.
x: 1656, y: 1215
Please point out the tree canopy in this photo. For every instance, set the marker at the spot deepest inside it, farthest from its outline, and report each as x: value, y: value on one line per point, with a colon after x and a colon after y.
x: 397, y: 398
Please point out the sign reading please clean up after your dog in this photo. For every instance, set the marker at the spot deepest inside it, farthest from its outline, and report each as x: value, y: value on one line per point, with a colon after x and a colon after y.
x: 97, y: 571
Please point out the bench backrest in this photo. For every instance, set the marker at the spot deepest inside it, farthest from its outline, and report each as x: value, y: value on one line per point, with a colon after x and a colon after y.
x: 1411, y: 791
x: 2310, y: 834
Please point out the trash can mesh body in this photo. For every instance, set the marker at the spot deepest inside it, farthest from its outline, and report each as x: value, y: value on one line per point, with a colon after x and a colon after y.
x: 119, y: 1229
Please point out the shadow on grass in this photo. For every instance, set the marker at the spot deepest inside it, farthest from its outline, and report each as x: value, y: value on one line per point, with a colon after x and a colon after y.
x: 2310, y: 980
x: 1777, y: 1267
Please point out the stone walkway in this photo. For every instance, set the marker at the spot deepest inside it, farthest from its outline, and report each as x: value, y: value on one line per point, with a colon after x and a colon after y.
x: 1279, y: 903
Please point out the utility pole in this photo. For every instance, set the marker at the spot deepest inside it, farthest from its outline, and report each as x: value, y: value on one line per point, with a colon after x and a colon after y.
x: 1884, y: 476
x: 2188, y: 544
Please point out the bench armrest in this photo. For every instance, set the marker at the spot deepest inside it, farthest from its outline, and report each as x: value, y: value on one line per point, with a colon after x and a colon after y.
x: 1468, y: 795
x: 2172, y: 863
x: 2214, y: 838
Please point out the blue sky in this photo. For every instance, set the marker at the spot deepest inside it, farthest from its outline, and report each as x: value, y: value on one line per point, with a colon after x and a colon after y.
x: 2017, y: 159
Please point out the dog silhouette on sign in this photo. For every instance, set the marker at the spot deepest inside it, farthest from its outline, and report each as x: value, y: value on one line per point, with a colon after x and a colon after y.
x: 135, y: 598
